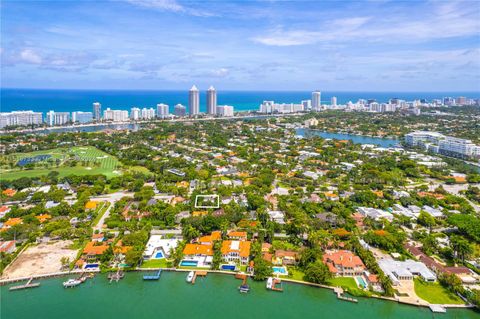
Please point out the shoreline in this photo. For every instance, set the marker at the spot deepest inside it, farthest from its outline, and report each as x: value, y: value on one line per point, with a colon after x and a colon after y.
x: 4, y: 282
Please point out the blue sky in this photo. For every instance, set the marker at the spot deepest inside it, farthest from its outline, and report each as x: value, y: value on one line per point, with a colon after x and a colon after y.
x: 244, y: 45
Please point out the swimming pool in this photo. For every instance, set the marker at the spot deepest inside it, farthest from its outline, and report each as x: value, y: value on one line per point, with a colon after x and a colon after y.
x: 361, y: 282
x: 189, y: 263
x: 280, y: 270
x: 228, y: 267
x: 159, y: 255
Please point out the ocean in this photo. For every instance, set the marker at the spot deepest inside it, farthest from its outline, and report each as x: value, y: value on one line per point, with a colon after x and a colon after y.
x: 81, y: 100
x: 213, y: 297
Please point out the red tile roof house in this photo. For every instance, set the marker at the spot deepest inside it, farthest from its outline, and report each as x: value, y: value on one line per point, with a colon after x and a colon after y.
x: 344, y: 263
x: 436, y: 266
x: 237, y: 235
x: 4, y: 210
x: 7, y: 246
x: 285, y: 257
x: 236, y: 251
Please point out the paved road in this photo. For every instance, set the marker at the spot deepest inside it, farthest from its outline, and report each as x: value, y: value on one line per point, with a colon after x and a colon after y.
x: 111, y: 198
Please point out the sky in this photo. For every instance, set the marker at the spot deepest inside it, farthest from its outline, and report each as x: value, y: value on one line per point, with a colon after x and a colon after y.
x: 241, y: 45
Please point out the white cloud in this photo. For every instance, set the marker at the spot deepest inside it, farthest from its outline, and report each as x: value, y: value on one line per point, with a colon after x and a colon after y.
x: 168, y: 5
x: 30, y: 56
x: 220, y: 73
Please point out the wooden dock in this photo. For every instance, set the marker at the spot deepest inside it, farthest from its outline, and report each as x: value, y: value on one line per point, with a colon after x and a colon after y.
x: 277, y: 285
x: 116, y: 276
x: 339, y: 292
x: 29, y: 284
x: 201, y: 273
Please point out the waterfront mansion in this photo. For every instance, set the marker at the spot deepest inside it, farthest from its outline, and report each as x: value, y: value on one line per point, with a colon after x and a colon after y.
x: 236, y: 251
x: 344, y: 263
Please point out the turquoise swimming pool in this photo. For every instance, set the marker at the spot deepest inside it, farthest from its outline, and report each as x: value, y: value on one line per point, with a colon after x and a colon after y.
x: 361, y: 282
x: 280, y: 270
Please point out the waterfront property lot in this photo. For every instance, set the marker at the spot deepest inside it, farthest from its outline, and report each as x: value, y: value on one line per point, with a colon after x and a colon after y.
x: 40, y: 259
x: 88, y: 161
x: 348, y: 284
x: 434, y: 293
x: 156, y: 263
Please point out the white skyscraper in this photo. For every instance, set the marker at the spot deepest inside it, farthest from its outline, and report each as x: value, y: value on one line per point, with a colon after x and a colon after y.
x: 316, y: 100
x: 211, y: 101
x: 162, y: 110
x: 333, y: 101
x: 57, y: 118
x: 97, y: 111
x: 50, y: 119
x: 194, y: 101
x: 135, y: 113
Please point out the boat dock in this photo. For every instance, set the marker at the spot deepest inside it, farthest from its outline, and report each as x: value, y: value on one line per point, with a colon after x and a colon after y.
x: 340, y: 296
x: 438, y: 308
x: 116, y: 276
x: 201, y: 273
x: 274, y: 284
x: 29, y: 284
x: 154, y: 276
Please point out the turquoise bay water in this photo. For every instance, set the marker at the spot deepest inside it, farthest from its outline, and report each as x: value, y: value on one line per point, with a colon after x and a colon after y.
x: 213, y: 297
x: 81, y: 100
x: 357, y: 139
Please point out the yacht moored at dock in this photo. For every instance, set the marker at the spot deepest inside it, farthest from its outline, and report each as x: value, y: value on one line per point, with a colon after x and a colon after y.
x: 190, y: 276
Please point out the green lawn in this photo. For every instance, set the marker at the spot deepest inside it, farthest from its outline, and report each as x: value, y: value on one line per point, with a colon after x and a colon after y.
x: 348, y: 284
x: 295, y: 274
x: 156, y: 263
x: 435, y: 293
x: 91, y: 161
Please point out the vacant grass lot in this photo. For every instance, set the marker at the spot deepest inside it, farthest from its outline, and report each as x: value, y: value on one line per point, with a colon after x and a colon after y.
x: 91, y: 161
x: 435, y: 293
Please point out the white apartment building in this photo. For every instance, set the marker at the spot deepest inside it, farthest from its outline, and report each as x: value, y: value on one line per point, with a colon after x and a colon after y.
x: 135, y: 113
x: 20, y: 118
x: 82, y: 117
x: 194, y: 101
x: 224, y: 110
x: 115, y: 115
x: 179, y: 110
x: 162, y: 110
x: 147, y: 114
x: 272, y: 107
x: 316, y: 100
x: 442, y: 144
x: 57, y: 118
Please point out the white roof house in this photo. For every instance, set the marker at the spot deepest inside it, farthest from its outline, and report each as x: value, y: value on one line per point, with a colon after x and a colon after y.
x: 157, y: 243
x: 277, y: 216
x: 405, y: 270
x: 375, y: 213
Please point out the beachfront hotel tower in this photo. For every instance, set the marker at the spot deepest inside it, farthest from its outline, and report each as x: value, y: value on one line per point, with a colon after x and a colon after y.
x: 194, y: 101
x: 316, y: 100
x: 211, y: 101
x: 97, y: 111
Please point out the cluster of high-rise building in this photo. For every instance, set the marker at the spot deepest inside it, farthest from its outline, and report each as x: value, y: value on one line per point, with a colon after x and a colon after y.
x: 442, y: 144
x: 20, y: 118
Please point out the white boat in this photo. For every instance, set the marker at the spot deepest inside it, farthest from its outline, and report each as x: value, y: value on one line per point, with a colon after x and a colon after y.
x: 190, y: 276
x: 71, y: 283
x: 269, y: 283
